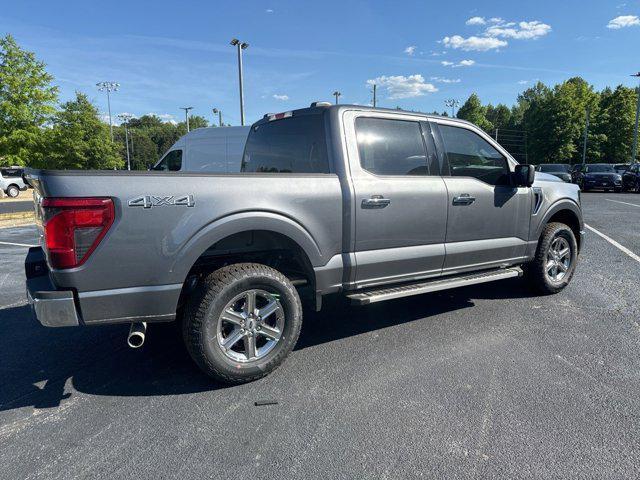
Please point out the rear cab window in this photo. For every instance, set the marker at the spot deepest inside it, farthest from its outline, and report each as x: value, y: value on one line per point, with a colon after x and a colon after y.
x: 295, y: 144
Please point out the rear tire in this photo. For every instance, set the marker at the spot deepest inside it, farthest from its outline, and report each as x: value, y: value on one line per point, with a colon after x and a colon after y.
x: 226, y: 327
x: 13, y: 191
x: 552, y: 268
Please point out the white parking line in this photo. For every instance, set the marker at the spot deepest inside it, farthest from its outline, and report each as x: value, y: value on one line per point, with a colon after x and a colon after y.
x: 626, y: 203
x: 17, y: 244
x: 614, y: 243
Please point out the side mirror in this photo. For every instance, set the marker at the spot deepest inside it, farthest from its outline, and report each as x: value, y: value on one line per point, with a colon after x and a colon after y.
x: 524, y: 175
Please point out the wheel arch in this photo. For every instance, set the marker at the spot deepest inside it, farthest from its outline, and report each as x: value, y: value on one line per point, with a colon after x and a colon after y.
x: 567, y: 212
x: 248, y: 232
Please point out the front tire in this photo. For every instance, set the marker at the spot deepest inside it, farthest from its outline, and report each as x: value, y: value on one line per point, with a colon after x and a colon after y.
x: 241, y: 322
x: 555, y: 261
x: 13, y: 191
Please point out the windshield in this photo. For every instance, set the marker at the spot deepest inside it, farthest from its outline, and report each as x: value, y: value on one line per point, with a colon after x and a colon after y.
x: 554, y: 167
x: 599, y: 168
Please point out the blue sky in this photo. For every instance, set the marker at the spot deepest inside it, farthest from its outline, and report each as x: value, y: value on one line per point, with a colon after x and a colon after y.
x: 170, y: 54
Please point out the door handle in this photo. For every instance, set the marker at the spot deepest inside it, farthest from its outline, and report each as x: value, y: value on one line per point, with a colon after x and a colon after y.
x: 376, y: 201
x: 464, y: 199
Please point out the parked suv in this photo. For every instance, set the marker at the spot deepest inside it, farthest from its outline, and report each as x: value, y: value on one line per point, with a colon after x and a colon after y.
x: 11, y: 182
x: 631, y: 178
x: 367, y: 203
x: 599, y: 176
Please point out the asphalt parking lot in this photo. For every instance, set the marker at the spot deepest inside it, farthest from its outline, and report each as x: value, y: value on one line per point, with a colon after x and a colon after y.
x: 481, y: 382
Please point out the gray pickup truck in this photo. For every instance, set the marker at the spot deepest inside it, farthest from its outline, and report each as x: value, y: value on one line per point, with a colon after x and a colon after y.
x: 371, y: 204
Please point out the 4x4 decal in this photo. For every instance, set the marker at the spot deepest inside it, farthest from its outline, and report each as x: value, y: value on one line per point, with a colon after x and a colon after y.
x: 148, y: 201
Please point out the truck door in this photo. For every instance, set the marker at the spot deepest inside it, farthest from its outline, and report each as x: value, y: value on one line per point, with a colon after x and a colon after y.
x: 400, y: 198
x: 488, y: 218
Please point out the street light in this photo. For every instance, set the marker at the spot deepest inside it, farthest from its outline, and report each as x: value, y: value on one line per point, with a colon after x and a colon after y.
x: 452, y: 103
x: 635, y: 131
x: 240, y: 46
x: 125, y: 117
x: 108, y: 87
x: 336, y: 94
x: 219, y: 112
x: 186, y: 115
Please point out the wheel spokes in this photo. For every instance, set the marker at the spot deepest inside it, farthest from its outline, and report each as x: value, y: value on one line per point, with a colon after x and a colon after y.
x: 250, y: 302
x: 270, y: 332
x: 268, y: 309
x: 250, y: 346
x: 231, y: 316
x: 564, y: 252
x: 232, y: 338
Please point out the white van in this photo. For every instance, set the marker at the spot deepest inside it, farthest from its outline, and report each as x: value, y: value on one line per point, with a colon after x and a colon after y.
x: 211, y: 149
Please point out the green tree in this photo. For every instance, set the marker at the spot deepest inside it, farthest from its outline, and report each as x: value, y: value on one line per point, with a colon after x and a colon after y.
x: 616, y: 123
x: 474, y: 112
x: 27, y: 101
x: 79, y: 139
x: 499, y: 116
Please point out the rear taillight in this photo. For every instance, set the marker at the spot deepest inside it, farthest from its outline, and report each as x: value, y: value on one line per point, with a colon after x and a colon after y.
x: 73, y: 228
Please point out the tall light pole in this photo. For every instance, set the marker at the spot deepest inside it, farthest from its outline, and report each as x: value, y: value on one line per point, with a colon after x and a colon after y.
x: 586, y: 135
x: 336, y: 94
x: 452, y: 103
x: 186, y: 115
x: 635, y: 131
x: 240, y: 46
x: 108, y: 87
x: 125, y: 117
x: 219, y: 112
x: 374, y: 95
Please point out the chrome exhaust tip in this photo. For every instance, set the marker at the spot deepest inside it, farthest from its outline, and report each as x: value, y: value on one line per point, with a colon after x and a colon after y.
x: 137, y: 333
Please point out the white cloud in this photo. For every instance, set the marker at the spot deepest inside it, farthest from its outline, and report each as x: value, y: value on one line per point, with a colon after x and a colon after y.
x: 461, y: 63
x: 410, y: 50
x: 524, y: 30
x: 399, y: 86
x: 473, y: 43
x: 523, y: 82
x: 476, y: 21
x: 281, y: 97
x: 496, y: 20
x: 445, y: 80
x: 623, y: 21
x: 268, y: 10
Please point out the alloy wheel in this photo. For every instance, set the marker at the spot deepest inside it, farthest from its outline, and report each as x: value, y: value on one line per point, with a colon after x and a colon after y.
x: 250, y: 325
x: 558, y: 259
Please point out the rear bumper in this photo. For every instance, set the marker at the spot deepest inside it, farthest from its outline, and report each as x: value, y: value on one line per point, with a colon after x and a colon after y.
x: 58, y: 307
x: 52, y: 307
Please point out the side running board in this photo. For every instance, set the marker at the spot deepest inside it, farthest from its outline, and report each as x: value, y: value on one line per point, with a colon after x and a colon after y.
x: 389, y: 293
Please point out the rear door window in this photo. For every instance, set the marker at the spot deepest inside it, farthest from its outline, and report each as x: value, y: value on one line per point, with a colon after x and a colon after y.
x: 391, y: 147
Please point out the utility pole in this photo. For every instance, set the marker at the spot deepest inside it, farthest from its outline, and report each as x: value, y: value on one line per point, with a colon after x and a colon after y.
x: 108, y: 87
x: 336, y: 94
x: 240, y: 46
x: 586, y: 134
x: 374, y: 95
x: 186, y: 115
x: 634, y: 154
x: 125, y: 117
x: 496, y: 135
x: 452, y: 103
x: 219, y: 112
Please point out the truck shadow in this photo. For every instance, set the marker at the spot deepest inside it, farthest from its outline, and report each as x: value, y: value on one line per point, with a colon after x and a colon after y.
x: 41, y: 367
